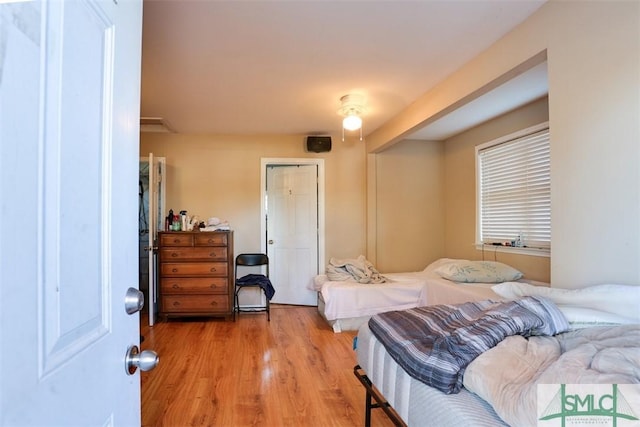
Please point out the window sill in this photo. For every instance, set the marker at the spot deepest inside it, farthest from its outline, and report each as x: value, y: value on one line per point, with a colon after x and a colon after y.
x: 514, y: 250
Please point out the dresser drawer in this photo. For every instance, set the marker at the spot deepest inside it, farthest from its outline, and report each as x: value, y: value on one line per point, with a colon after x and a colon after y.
x: 218, y: 253
x: 188, y: 285
x: 195, y: 304
x: 176, y: 239
x: 218, y: 269
x: 210, y: 239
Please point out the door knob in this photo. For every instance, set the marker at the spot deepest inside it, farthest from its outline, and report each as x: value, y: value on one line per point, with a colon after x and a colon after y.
x: 133, y: 301
x: 134, y: 359
x: 270, y: 242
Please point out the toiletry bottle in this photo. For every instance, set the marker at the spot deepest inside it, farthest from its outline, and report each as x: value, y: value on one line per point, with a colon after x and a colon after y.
x: 170, y: 220
x: 183, y: 220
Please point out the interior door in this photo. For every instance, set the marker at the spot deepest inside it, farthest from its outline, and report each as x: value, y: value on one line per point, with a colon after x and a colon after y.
x: 292, y: 231
x: 153, y: 231
x: 150, y: 219
x: 69, y: 107
x: 155, y: 207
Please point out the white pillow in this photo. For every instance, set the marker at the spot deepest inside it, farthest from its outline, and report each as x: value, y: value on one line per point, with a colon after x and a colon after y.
x: 579, y: 317
x: 621, y: 300
x: 440, y: 262
x: 478, y: 272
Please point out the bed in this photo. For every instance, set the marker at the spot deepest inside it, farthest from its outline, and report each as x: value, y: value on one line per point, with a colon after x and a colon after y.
x: 347, y: 304
x: 600, y: 344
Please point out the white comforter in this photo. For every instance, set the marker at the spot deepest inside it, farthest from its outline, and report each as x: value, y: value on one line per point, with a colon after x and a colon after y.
x: 507, y: 375
x: 351, y: 299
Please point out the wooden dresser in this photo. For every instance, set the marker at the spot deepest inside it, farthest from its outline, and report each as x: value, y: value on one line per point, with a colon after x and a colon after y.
x: 196, y: 273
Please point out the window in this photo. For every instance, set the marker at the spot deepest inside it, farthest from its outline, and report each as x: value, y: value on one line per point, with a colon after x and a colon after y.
x: 514, y: 189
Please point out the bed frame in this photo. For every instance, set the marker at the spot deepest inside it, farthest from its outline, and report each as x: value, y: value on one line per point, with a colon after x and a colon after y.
x: 375, y: 400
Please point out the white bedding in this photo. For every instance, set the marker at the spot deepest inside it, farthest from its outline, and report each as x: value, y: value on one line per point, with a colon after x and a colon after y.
x: 443, y: 291
x: 508, y: 375
x: 345, y: 299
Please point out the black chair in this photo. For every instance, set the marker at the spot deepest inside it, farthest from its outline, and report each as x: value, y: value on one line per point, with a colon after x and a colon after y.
x: 253, y: 280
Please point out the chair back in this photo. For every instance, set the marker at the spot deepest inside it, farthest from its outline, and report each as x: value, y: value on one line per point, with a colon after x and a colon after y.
x: 252, y: 260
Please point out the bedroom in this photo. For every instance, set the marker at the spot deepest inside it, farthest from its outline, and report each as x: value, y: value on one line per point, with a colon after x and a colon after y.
x: 592, y: 80
x: 377, y: 221
x: 592, y: 52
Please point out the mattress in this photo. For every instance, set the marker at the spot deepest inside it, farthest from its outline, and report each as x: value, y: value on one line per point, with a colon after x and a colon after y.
x: 342, y: 324
x: 415, y: 402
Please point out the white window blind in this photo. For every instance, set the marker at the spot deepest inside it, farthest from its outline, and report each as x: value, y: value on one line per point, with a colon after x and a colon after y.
x: 515, y: 190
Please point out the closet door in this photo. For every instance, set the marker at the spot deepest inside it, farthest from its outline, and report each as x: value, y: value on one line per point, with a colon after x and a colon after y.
x: 292, y: 231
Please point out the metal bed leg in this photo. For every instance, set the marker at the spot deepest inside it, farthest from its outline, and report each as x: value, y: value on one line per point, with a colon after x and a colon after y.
x: 372, y: 394
x: 367, y: 409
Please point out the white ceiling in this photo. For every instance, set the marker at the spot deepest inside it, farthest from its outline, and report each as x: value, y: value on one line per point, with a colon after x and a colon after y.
x: 280, y: 67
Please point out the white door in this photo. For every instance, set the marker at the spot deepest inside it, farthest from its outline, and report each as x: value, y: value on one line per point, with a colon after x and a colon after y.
x: 69, y: 131
x: 292, y: 231
x: 153, y: 231
x: 152, y: 206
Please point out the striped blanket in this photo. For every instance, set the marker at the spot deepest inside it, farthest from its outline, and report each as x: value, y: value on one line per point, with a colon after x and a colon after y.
x: 434, y: 344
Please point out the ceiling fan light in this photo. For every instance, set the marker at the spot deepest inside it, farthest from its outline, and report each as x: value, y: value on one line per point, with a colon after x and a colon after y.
x: 352, y: 122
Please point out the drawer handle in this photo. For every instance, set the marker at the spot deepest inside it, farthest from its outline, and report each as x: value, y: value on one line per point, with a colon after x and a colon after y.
x: 213, y: 303
x: 213, y: 285
x: 176, y: 240
x: 176, y: 303
x: 176, y: 286
x: 213, y: 269
x: 211, y: 241
x: 174, y: 270
x: 173, y: 254
x: 212, y: 255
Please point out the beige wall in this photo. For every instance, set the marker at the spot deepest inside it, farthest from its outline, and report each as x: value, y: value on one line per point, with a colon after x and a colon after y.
x: 217, y: 175
x: 409, y: 206
x: 593, y: 54
x: 460, y: 190
x: 425, y: 199
x: 594, y: 96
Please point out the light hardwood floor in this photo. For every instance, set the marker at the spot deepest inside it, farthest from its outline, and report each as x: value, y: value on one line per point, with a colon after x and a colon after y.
x: 292, y: 371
